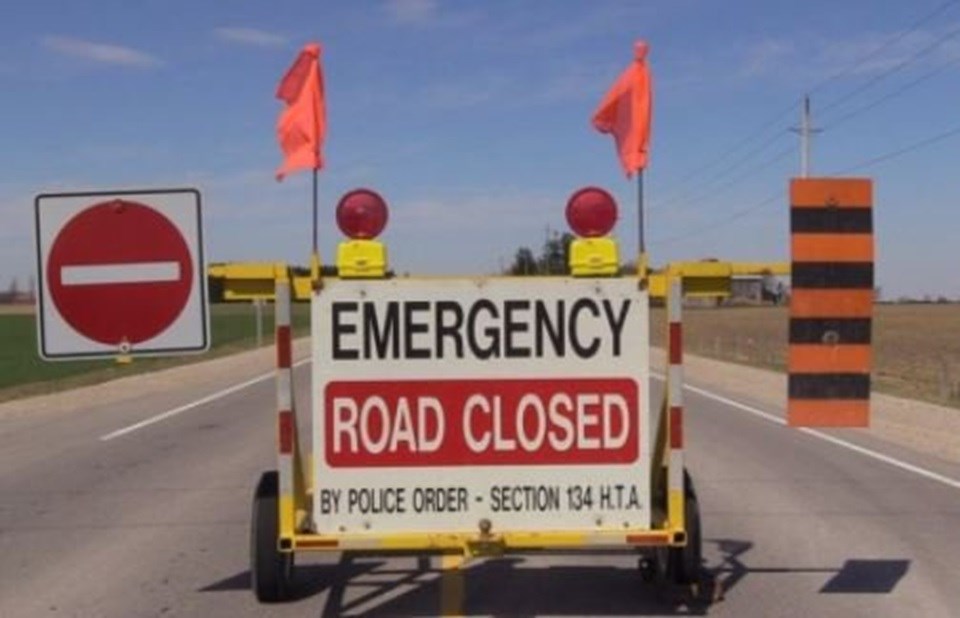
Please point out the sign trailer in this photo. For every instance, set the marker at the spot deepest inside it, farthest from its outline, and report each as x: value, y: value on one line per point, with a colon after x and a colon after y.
x: 480, y: 415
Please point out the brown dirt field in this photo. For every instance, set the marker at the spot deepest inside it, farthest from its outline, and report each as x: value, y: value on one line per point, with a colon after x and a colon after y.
x: 16, y: 309
x: 916, y: 347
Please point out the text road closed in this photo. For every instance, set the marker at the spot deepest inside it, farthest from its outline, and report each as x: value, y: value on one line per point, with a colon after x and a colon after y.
x: 481, y: 422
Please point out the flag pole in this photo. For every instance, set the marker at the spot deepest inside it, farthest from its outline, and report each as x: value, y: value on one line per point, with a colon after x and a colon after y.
x: 314, y: 256
x: 642, y: 244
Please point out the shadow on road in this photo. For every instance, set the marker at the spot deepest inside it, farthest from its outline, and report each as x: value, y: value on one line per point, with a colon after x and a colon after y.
x: 867, y: 576
x: 515, y: 586
x: 876, y: 576
x: 311, y: 579
x: 368, y: 586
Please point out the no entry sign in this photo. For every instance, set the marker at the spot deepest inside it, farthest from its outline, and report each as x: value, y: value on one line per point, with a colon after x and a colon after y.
x: 120, y: 273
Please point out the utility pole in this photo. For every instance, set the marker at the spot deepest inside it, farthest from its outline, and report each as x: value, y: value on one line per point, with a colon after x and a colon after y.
x: 806, y: 131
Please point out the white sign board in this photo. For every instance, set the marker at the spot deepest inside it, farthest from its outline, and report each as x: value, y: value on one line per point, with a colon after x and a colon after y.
x: 442, y: 402
x: 120, y: 273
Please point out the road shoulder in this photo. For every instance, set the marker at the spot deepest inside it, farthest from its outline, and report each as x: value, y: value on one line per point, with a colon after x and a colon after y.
x: 213, y: 375
x: 916, y: 425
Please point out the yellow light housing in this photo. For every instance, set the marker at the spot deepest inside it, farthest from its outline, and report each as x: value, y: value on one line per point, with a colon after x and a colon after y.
x: 361, y: 259
x: 594, y: 257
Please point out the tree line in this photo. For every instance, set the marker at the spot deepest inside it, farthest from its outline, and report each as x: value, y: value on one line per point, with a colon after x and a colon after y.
x: 553, y: 258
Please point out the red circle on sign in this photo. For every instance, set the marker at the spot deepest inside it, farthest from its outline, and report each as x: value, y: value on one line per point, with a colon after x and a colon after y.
x: 120, y: 271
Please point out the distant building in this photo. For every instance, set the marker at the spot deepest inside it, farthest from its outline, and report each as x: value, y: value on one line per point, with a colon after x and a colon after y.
x: 15, y: 296
x: 757, y: 290
x: 746, y: 289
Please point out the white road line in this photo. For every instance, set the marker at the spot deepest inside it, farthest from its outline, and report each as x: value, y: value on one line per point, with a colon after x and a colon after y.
x: 946, y: 480
x: 773, y: 418
x: 934, y: 476
x: 132, y: 272
x: 194, y: 404
x: 893, y: 461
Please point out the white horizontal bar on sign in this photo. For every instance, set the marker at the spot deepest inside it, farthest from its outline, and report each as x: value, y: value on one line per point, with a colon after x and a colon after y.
x: 132, y: 272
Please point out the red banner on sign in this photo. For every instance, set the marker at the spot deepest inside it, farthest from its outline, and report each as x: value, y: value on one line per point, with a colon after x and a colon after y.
x: 481, y: 422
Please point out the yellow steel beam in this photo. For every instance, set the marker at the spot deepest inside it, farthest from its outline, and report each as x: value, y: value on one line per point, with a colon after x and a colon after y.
x: 475, y: 544
x: 710, y: 279
x: 451, y: 584
x: 246, y: 281
x: 760, y: 268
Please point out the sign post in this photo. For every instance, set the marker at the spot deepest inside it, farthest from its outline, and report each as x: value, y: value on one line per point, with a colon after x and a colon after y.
x: 121, y: 274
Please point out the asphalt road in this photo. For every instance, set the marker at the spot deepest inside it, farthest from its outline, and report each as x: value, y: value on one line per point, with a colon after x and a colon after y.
x: 154, y: 522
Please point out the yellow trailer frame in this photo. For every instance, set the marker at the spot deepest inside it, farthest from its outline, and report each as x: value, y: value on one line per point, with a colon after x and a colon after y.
x: 248, y: 281
x: 282, y: 515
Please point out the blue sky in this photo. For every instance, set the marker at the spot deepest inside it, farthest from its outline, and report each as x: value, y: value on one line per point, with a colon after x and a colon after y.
x: 472, y: 119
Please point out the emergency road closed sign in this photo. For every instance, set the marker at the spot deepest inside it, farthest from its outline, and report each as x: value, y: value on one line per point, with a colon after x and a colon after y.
x: 443, y: 402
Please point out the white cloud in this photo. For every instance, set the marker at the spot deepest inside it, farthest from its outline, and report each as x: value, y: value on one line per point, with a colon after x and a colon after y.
x: 575, y: 82
x: 863, y: 54
x: 411, y: 11
x: 599, y: 22
x: 420, y: 229
x: 570, y: 82
x: 463, y: 93
x: 17, y: 255
x: 466, y: 210
x: 427, y: 13
x: 766, y: 56
x: 102, y: 53
x: 250, y: 36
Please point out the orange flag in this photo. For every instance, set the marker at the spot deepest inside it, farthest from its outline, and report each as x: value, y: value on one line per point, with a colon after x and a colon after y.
x: 626, y: 110
x: 303, y: 124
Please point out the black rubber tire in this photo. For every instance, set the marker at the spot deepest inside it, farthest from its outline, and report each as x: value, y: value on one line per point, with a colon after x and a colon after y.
x: 271, y: 571
x: 648, y: 569
x: 685, y: 564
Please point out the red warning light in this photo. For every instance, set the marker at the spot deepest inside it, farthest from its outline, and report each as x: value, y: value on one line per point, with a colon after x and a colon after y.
x: 591, y: 212
x: 362, y: 214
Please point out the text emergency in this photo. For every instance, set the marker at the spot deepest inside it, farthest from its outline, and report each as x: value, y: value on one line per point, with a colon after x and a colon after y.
x: 481, y: 422
x: 485, y: 329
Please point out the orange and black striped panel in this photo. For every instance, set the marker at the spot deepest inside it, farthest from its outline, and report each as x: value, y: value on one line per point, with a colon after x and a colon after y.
x: 831, y: 302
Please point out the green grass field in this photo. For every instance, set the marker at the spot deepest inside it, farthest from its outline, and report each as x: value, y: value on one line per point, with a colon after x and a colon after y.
x: 22, y: 372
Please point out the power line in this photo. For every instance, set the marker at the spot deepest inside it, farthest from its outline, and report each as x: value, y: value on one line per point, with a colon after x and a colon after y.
x: 759, y: 133
x: 737, y: 163
x: 888, y: 43
x: 721, y: 222
x: 779, y: 156
x: 739, y: 214
x: 876, y: 102
x: 749, y: 139
x: 881, y: 76
x: 735, y: 216
x: 901, y: 151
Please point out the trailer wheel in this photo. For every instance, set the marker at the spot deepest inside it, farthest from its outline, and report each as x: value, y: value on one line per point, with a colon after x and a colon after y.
x: 271, y: 570
x: 684, y: 564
